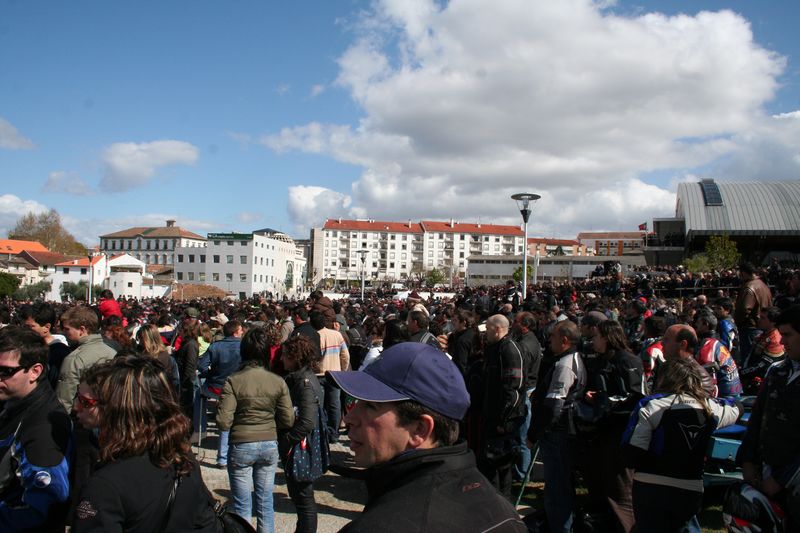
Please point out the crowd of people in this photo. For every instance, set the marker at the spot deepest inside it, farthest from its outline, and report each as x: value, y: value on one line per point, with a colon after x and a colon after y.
x: 445, y: 401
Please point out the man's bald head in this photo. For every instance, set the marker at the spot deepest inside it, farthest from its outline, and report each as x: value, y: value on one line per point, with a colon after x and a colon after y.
x: 680, y: 342
x: 496, y: 328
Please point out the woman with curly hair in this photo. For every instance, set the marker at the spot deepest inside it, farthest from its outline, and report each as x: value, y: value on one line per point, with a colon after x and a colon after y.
x: 253, y: 406
x: 145, y: 456
x: 298, y: 356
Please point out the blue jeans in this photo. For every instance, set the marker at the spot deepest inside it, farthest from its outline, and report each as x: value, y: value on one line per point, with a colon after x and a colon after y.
x: 520, y: 466
x: 555, y: 450
x: 332, y: 403
x: 253, y: 464
x: 222, y: 449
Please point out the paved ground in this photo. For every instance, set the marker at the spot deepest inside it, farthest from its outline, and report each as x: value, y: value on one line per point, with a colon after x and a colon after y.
x: 339, y: 499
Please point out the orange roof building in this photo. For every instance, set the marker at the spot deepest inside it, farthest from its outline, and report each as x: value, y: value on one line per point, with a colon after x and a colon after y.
x: 15, y: 247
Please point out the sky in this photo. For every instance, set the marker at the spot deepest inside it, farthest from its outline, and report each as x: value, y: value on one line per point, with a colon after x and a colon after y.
x: 235, y: 116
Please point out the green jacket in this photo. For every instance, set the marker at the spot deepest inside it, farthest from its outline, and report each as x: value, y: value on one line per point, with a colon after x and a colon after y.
x: 90, y: 351
x: 253, y: 400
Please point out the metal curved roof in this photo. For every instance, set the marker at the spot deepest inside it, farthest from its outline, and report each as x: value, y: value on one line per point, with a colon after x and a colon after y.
x: 766, y: 208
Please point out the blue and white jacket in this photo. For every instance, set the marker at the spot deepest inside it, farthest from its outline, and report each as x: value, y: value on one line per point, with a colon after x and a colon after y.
x: 35, y: 450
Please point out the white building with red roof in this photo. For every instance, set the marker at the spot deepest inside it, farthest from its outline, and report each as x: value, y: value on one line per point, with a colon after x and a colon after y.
x: 151, y: 245
x: 400, y: 250
x: 122, y: 273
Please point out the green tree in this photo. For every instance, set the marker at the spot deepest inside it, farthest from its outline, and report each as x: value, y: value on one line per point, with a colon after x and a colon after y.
x: 8, y: 284
x: 434, y: 277
x: 517, y: 275
x: 47, y: 229
x: 697, y: 263
x: 78, y: 291
x: 33, y: 292
x: 722, y: 252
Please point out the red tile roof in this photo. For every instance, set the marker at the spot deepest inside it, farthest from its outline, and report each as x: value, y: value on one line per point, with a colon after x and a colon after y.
x: 553, y: 242
x: 462, y: 227
x: 84, y: 262
x: 14, y: 247
x: 626, y: 235
x: 42, y: 258
x: 161, y: 232
x: 372, y: 225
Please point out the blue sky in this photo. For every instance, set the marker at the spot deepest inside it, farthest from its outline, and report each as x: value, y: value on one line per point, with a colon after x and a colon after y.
x: 237, y: 116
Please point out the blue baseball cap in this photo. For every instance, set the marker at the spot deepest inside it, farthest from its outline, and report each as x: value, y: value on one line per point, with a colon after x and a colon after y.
x: 409, y: 371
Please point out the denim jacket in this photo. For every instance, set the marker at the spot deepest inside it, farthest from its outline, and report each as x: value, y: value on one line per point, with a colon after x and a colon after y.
x: 220, y: 361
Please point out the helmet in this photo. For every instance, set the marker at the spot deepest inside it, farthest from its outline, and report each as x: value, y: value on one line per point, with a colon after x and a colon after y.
x: 746, y: 510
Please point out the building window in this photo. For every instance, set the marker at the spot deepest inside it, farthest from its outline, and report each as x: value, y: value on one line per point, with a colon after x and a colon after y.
x: 202, y: 258
x: 191, y: 276
x: 215, y: 258
x: 243, y: 277
x: 191, y: 258
x: 215, y: 276
x: 243, y: 243
x: 242, y: 259
x: 201, y: 276
x: 180, y: 276
x: 229, y: 243
x: 83, y: 272
x: 229, y: 259
x: 180, y: 258
x: 228, y: 276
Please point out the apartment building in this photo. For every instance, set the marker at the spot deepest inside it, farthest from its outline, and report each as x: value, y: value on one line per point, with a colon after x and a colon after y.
x: 613, y: 242
x: 400, y: 250
x: 556, y: 247
x: 243, y: 264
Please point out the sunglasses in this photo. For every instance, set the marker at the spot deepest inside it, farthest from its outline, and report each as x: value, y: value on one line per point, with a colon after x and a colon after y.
x: 8, y: 371
x: 85, y: 401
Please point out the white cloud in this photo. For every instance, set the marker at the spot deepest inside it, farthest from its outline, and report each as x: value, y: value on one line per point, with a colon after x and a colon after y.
x: 309, y: 206
x: 12, y: 208
x: 131, y: 165
x: 464, y: 105
x: 317, y: 90
x: 283, y: 89
x: 67, y: 183
x: 11, y: 139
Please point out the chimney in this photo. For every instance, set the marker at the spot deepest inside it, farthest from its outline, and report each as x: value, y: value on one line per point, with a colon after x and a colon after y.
x: 340, y: 220
x: 170, y: 223
x: 452, y: 223
x: 409, y: 222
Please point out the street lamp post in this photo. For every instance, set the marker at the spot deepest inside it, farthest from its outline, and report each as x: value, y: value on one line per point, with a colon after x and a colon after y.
x: 524, y: 201
x: 91, y: 276
x: 363, y: 254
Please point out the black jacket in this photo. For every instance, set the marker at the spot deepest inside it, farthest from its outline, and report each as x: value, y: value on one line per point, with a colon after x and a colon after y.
x: 773, y: 432
x: 34, y: 482
x: 460, y: 344
x: 530, y: 342
x: 432, y: 490
x: 504, y: 383
x: 131, y: 495
x: 306, y: 393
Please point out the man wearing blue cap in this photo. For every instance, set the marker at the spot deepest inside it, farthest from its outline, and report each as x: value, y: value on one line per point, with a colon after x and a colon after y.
x: 403, y: 430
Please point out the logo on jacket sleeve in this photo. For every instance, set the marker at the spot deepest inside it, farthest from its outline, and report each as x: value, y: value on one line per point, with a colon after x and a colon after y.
x: 42, y: 479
